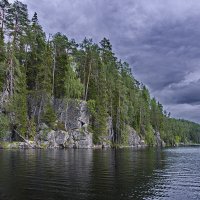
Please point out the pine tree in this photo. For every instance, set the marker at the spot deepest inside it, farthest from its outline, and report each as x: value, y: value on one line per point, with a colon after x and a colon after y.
x: 16, y: 24
x: 17, y: 107
x: 4, y: 5
x: 36, y: 56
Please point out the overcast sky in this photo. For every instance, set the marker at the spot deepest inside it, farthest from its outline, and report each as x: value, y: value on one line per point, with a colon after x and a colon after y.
x: 159, y: 39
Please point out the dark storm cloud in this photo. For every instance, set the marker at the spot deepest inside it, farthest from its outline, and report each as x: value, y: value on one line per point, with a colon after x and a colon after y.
x: 160, y: 40
x: 182, y: 93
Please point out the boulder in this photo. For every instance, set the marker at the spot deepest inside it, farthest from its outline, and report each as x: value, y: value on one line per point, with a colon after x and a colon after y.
x: 23, y: 145
x: 51, y: 141
x: 64, y: 139
x: 61, y: 137
x: 57, y: 139
x: 70, y: 142
x: 82, y: 139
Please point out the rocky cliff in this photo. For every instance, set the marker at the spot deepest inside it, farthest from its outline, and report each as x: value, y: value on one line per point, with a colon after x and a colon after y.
x: 70, y: 129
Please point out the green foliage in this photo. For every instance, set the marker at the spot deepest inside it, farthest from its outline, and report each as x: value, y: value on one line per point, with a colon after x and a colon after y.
x: 177, y: 139
x: 73, y: 86
x: 176, y: 131
x: 49, y: 116
x: 20, y: 102
x: 91, y: 107
x: 4, y: 124
x: 31, y: 128
x: 17, y: 107
x: 2, y: 46
x: 17, y: 19
x: 150, y: 137
x: 124, y: 136
x: 2, y: 75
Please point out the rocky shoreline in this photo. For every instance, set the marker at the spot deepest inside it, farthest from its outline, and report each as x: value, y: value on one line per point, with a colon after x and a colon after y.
x: 76, y: 140
x: 72, y: 131
x: 24, y: 145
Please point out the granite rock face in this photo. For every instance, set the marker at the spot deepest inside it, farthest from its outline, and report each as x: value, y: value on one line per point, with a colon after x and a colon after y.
x: 81, y: 139
x: 133, y: 139
x: 159, y: 141
x: 73, y: 117
x: 64, y: 139
x: 73, y: 114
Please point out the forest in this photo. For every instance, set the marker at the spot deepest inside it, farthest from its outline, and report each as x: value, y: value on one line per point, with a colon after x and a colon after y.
x: 33, y: 64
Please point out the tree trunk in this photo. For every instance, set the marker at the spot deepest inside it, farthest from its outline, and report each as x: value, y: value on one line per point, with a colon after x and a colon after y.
x: 26, y: 141
x: 88, y: 80
x: 54, y: 68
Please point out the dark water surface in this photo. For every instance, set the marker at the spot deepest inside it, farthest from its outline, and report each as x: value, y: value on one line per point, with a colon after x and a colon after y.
x: 100, y: 174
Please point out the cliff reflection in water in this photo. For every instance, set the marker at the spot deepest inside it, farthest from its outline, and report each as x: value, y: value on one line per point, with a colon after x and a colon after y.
x: 79, y: 174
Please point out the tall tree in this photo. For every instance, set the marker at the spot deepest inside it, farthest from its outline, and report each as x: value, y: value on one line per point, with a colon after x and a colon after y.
x: 16, y: 24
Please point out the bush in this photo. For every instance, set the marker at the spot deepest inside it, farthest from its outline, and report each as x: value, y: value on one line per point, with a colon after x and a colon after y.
x: 31, y: 128
x: 49, y: 116
x: 125, y: 136
x: 91, y: 107
x: 5, y: 126
x: 149, y: 137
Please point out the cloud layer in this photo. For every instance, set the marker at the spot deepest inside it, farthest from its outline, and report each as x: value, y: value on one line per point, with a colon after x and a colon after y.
x: 159, y: 39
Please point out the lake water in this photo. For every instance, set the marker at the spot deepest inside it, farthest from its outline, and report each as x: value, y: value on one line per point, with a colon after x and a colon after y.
x: 100, y: 174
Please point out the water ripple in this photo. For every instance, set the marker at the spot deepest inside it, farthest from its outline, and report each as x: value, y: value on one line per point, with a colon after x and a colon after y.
x: 100, y: 174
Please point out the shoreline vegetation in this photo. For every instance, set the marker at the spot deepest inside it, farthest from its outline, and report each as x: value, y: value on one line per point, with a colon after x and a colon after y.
x: 61, y: 94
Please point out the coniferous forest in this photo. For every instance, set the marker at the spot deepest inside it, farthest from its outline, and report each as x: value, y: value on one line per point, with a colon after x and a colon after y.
x: 34, y: 65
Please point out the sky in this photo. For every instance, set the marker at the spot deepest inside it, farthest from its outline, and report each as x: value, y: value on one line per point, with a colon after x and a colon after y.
x: 159, y: 39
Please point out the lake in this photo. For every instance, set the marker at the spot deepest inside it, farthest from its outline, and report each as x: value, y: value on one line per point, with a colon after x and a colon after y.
x: 171, y: 173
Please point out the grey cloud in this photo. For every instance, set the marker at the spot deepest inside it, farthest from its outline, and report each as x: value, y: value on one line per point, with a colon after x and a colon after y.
x: 176, y: 94
x: 185, y: 111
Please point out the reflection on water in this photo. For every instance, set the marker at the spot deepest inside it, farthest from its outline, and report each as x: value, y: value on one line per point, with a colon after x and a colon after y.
x: 100, y: 174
